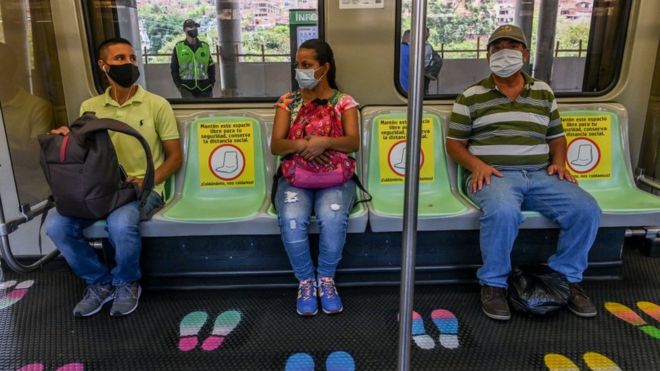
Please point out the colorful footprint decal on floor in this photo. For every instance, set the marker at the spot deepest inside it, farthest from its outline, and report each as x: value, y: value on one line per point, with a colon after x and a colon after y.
x: 189, y: 327
x: 595, y: 362
x: 12, y: 297
x: 339, y: 361
x: 336, y: 361
x: 559, y: 362
x: 419, y: 335
x: 7, y: 285
x: 447, y: 324
x: 626, y: 314
x: 598, y: 362
x: 651, y: 309
x: 192, y: 324
x: 299, y: 362
x: 224, y: 324
x: 40, y: 367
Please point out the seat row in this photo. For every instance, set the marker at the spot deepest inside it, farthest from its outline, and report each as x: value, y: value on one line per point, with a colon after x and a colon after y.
x: 225, y: 182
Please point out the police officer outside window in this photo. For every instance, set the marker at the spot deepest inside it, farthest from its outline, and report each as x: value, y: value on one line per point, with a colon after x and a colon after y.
x: 192, y: 67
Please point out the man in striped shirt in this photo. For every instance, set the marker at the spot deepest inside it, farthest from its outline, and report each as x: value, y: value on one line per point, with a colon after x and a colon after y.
x: 507, y: 132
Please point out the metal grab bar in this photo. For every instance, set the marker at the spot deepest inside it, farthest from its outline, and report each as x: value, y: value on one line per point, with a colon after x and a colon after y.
x: 409, y: 237
x: 7, y: 227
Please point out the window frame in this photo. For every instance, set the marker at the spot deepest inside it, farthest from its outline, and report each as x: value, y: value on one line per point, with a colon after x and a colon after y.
x: 618, y: 54
x: 98, y: 78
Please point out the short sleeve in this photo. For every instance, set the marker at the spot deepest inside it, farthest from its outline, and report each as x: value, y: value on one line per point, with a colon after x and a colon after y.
x: 345, y: 103
x: 555, y: 128
x: 166, y: 126
x: 460, y: 122
x: 285, y: 101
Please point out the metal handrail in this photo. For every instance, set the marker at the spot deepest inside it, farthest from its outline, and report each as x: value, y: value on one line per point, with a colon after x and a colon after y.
x: 10, y: 226
x: 409, y: 238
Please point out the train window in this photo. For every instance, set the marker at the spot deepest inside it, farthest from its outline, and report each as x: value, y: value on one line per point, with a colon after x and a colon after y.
x: 31, y: 96
x: 231, y: 50
x: 575, y: 45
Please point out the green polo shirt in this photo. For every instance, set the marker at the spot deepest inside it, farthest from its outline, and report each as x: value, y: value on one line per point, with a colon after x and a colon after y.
x: 147, y: 113
x: 503, y: 133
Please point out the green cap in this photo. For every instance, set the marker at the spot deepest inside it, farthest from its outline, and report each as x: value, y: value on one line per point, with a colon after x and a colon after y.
x: 508, y: 31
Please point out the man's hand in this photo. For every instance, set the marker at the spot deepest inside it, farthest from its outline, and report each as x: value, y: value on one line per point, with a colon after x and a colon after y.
x: 62, y: 130
x: 561, y: 173
x: 481, y: 175
x: 137, y: 181
x: 315, y: 147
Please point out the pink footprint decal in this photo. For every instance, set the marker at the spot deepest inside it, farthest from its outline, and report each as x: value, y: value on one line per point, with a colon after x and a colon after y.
x: 189, y: 328
x: 447, y: 324
x: 224, y: 324
x: 72, y: 367
x: 32, y: 367
x: 16, y: 294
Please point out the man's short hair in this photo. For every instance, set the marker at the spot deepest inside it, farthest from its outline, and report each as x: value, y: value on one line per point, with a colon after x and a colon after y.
x: 109, y: 42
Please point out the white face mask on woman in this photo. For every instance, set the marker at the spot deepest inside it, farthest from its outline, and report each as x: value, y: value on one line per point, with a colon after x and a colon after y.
x: 506, y: 62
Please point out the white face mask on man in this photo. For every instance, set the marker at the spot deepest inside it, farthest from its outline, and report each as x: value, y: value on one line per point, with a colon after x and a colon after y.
x: 506, y: 62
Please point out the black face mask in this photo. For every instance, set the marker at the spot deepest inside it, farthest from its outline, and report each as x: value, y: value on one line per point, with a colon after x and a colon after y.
x: 124, y: 74
x: 192, y: 33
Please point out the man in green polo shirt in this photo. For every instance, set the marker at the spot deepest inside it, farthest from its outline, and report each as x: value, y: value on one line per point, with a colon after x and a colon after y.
x: 507, y: 132
x: 192, y: 67
x: 152, y: 116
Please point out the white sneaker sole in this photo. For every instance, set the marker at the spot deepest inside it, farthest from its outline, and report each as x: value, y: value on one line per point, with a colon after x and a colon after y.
x: 496, y: 316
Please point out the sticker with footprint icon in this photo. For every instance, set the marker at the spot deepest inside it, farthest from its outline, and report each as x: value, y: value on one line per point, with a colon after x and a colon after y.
x: 12, y: 297
x: 193, y: 322
x: 595, y: 362
x: 336, y: 361
x: 629, y: 316
x: 446, y: 323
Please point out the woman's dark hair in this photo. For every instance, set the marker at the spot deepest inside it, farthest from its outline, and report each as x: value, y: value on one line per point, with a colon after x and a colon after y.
x: 324, y: 55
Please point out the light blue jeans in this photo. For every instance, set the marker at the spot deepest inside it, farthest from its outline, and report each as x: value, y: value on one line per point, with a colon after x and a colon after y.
x: 501, y: 202
x: 123, y: 230
x: 331, y: 206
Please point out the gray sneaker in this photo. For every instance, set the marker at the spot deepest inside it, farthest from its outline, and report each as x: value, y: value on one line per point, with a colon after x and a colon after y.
x: 126, y: 299
x: 95, y: 296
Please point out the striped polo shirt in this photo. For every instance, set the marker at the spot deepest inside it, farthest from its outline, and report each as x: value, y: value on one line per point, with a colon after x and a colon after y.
x: 503, y: 133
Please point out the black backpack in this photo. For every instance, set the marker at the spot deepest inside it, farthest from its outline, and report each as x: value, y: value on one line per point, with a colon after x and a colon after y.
x: 435, y: 65
x: 83, y: 172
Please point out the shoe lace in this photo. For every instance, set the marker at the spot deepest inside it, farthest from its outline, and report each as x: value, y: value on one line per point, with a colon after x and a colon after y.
x: 328, y: 287
x: 93, y: 292
x: 305, y: 288
x: 125, y: 292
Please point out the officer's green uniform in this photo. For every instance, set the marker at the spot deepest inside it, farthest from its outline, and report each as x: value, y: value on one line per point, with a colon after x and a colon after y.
x: 193, y: 69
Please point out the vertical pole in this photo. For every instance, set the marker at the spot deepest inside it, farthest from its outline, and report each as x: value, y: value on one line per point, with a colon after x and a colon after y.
x: 229, y: 33
x: 478, y: 46
x: 409, y: 238
x: 545, y: 40
x: 524, y: 17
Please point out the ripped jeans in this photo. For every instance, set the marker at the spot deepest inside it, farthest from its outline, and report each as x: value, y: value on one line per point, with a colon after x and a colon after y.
x: 331, y: 206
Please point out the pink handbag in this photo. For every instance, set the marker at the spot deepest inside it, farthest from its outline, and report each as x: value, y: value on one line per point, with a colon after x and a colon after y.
x: 321, y: 119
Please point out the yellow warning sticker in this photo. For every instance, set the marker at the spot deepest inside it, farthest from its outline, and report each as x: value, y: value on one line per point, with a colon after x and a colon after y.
x: 226, y: 154
x: 589, y: 146
x: 392, y: 150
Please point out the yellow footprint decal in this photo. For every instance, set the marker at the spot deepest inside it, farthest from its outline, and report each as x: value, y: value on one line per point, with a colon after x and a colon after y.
x: 559, y: 362
x: 598, y: 362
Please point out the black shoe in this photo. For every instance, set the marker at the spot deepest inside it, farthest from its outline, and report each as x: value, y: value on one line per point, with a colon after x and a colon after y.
x: 494, y: 304
x: 579, y: 303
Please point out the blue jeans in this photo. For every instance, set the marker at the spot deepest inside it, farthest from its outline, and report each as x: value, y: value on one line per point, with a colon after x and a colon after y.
x: 331, y: 207
x: 501, y: 202
x: 123, y: 233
